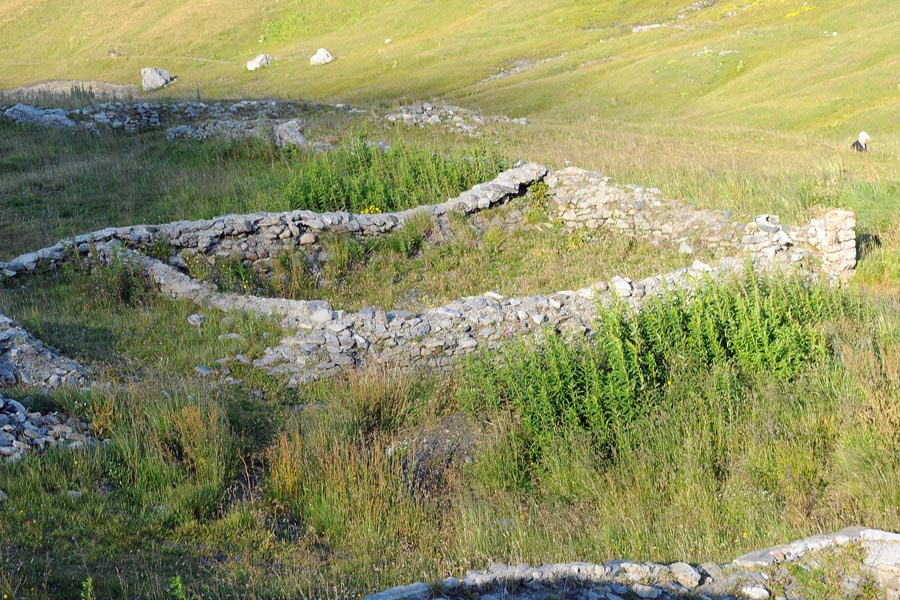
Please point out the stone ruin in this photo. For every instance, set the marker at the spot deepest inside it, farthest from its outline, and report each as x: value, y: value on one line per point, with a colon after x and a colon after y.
x: 320, y: 341
x: 241, y: 119
x: 748, y: 577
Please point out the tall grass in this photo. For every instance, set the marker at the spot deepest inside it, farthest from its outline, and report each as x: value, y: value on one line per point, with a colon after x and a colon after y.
x: 362, y: 177
x: 746, y: 415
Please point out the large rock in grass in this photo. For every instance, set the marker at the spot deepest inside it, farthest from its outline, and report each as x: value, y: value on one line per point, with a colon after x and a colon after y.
x: 259, y: 62
x: 289, y: 133
x: 154, y: 78
x: 321, y: 57
x: 45, y: 117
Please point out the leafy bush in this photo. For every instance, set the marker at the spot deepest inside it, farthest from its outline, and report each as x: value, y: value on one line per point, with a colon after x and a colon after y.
x: 756, y: 327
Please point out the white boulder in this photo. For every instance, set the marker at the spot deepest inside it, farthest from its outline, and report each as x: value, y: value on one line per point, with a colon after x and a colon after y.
x: 321, y: 57
x: 153, y: 78
x: 260, y: 61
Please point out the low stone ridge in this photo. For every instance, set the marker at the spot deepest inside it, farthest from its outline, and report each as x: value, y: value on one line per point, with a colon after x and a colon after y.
x: 197, y: 120
x: 24, y: 114
x: 23, y: 431
x: 453, y: 119
x: 246, y: 118
x: 27, y: 362
x: 258, y: 236
x: 747, y: 579
x: 585, y: 199
x: 328, y: 341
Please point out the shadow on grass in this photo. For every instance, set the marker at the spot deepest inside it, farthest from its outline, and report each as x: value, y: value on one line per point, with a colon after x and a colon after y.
x: 866, y: 243
x: 84, y: 342
x: 574, y: 587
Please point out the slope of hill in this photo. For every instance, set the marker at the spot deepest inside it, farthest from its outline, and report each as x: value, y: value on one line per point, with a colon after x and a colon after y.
x: 829, y: 67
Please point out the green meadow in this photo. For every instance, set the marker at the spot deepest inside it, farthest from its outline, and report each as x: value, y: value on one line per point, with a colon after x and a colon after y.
x: 763, y: 411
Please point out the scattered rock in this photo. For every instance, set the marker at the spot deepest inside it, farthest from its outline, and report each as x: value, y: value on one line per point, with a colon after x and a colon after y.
x: 259, y: 62
x: 154, y: 78
x: 321, y: 57
x: 289, y: 133
x: 203, y: 370
x: 196, y: 320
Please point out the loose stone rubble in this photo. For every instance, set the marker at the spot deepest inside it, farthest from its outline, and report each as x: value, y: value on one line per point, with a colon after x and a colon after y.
x: 197, y: 120
x: 23, y: 431
x: 27, y: 362
x: 246, y: 118
x: 748, y: 577
x: 45, y: 117
x: 584, y: 199
x: 452, y: 119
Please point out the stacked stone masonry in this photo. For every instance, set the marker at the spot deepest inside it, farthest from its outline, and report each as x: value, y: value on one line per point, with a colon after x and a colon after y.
x: 322, y: 341
x: 245, y: 118
x: 27, y: 362
x: 259, y: 236
x: 584, y: 199
x: 23, y: 431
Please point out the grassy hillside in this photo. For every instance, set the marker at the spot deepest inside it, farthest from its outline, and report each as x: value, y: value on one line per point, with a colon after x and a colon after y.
x: 748, y: 105
x: 679, y: 435
x: 766, y: 64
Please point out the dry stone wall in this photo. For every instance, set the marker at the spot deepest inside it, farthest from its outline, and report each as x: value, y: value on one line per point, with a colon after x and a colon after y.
x: 26, y: 362
x: 748, y: 577
x: 259, y: 236
x: 23, y: 431
x: 321, y: 341
x: 585, y: 199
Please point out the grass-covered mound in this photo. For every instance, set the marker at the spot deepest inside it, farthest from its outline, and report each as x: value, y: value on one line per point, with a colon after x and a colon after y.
x: 759, y: 411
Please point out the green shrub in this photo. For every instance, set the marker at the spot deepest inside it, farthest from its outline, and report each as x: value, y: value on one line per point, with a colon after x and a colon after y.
x: 602, y: 387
